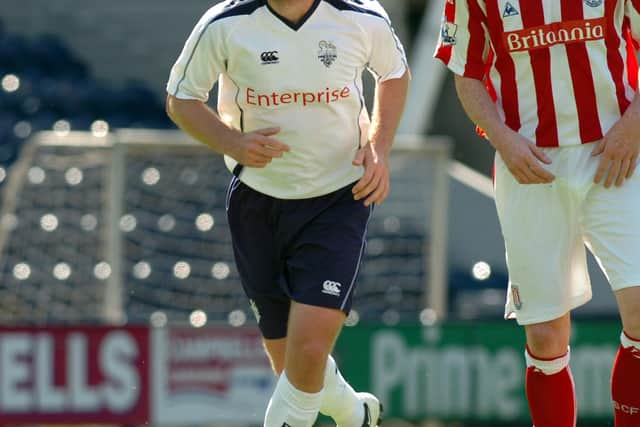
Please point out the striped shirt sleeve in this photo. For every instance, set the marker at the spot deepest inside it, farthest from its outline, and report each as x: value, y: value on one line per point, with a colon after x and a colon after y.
x: 464, y: 41
x: 632, y: 12
x: 200, y: 64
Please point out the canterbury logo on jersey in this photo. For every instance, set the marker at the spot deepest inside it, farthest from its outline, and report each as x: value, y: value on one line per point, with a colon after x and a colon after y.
x: 552, y: 34
x: 275, y: 99
x: 270, y: 57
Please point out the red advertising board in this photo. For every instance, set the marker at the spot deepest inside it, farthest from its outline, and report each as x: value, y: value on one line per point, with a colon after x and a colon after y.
x: 74, y: 375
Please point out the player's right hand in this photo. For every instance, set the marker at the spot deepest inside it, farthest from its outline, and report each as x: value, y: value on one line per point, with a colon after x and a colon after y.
x: 257, y: 149
x: 522, y: 157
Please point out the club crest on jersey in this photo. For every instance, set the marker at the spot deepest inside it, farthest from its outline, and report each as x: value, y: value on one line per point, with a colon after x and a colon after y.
x: 515, y: 294
x: 510, y: 10
x: 448, y: 33
x: 328, y: 53
x: 593, y: 3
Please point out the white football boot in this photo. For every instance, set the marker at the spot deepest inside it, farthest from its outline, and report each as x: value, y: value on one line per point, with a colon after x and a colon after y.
x: 372, y: 409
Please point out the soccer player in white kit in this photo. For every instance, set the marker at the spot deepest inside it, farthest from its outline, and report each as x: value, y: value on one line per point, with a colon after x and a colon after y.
x: 553, y: 84
x: 308, y: 169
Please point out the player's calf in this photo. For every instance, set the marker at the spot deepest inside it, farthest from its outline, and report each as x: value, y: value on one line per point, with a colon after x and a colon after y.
x: 550, y: 391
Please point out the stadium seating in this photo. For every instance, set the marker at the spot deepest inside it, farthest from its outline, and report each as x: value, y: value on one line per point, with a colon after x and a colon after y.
x: 43, y: 82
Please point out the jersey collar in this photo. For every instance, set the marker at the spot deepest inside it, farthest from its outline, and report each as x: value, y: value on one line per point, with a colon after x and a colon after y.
x: 295, y: 26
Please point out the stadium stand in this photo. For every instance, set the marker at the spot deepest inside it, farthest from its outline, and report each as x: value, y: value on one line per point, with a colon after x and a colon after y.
x: 43, y: 83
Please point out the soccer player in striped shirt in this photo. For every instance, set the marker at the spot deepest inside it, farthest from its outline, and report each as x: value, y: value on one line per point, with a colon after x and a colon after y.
x: 308, y: 169
x: 553, y: 85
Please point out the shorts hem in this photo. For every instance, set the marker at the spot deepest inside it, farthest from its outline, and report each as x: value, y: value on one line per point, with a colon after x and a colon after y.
x: 337, y: 307
x: 550, y: 314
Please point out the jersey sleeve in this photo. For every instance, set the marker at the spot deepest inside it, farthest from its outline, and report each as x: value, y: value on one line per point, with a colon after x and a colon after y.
x: 387, y: 59
x: 632, y: 12
x: 463, y: 44
x: 200, y: 64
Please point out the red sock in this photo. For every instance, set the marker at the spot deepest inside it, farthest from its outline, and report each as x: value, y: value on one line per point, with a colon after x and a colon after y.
x: 625, y: 383
x: 550, y: 392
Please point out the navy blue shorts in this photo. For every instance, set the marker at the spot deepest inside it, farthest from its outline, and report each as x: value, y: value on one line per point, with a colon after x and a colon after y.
x: 306, y: 250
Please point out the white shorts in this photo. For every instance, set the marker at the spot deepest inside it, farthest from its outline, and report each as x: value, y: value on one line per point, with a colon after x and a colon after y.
x: 546, y: 228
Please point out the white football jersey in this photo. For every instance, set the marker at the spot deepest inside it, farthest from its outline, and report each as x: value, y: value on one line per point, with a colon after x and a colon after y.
x: 304, y: 78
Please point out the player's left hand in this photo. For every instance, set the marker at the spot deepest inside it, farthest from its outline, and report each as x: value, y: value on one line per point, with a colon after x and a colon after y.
x: 619, y: 149
x: 374, y: 185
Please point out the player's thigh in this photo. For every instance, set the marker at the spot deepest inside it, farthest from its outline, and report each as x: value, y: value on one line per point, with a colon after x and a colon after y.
x: 324, y: 259
x: 612, y: 231
x: 545, y: 254
x: 257, y: 258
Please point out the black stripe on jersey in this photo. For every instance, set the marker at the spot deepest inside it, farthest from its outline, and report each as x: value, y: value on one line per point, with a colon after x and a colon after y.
x: 237, y: 8
x: 295, y: 25
x: 352, y: 6
x: 234, y: 8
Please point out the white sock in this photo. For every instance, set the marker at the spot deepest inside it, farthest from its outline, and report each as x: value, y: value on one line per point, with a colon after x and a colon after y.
x: 626, y: 341
x: 290, y: 407
x: 340, y: 401
x: 548, y: 367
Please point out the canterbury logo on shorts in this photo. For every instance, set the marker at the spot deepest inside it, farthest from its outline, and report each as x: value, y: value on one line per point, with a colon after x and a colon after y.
x: 331, y: 288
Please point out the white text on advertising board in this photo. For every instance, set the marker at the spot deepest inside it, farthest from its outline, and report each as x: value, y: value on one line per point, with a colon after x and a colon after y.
x: 40, y: 374
x: 457, y: 381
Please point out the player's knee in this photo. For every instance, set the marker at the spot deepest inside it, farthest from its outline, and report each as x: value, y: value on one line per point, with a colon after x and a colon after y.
x: 547, y: 340
x: 314, y: 351
x: 632, y: 324
x: 629, y: 302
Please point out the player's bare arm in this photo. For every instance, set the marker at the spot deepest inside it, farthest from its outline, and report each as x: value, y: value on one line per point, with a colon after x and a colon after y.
x: 619, y: 148
x: 253, y: 149
x: 388, y: 105
x: 520, y: 155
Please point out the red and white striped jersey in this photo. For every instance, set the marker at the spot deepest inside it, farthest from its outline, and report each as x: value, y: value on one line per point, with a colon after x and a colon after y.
x: 562, y: 72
